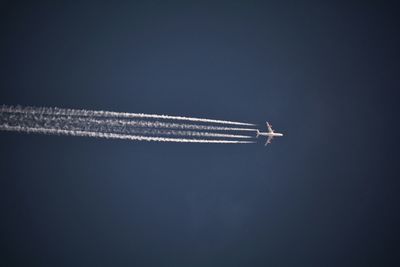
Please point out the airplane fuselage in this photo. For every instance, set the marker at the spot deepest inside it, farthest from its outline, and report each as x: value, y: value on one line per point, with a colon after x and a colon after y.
x: 270, y: 134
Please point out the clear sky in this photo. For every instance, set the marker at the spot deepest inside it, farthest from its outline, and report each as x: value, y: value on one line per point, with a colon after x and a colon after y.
x: 324, y: 74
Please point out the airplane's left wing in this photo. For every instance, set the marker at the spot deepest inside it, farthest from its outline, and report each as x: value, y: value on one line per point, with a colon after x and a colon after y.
x: 269, y: 128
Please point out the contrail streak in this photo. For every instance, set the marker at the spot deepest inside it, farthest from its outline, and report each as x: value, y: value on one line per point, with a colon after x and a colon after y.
x: 156, y: 124
x: 171, y: 125
x: 187, y: 133
x: 115, y: 136
x: 90, y: 113
x: 99, y: 125
x: 146, y: 124
x: 116, y: 125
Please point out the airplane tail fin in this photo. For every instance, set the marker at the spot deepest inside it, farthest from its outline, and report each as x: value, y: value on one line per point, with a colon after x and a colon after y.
x: 258, y: 133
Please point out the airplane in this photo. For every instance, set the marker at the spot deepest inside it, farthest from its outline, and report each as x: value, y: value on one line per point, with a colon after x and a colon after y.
x: 270, y: 134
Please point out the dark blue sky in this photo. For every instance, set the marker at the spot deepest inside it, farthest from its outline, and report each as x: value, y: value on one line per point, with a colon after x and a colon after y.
x: 325, y: 74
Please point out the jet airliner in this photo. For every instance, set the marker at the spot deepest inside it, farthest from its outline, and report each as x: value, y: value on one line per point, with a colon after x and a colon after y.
x: 270, y: 134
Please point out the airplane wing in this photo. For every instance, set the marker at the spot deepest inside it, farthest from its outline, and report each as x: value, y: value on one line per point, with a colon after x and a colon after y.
x: 269, y: 128
x: 269, y: 140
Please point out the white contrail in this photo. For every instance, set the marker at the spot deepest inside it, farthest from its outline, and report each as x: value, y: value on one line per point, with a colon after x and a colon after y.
x: 74, y: 122
x: 109, y: 125
x: 147, y: 127
x: 90, y: 113
x: 184, y: 133
x: 115, y: 136
x: 152, y: 124
x: 169, y: 125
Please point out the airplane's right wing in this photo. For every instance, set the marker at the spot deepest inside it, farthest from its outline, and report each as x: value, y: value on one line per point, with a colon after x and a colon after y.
x: 269, y: 140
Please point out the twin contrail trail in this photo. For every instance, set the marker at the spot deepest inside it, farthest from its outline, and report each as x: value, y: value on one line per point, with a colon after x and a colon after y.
x: 121, y: 125
x: 91, y: 113
x: 171, y: 125
x: 115, y: 136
